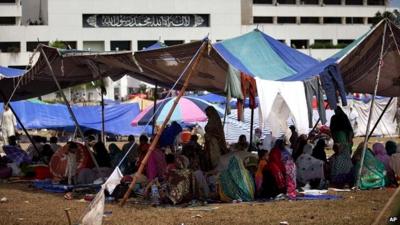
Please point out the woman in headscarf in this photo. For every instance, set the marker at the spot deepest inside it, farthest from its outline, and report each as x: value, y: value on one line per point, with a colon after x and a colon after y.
x: 241, y: 145
x: 274, y: 181
x: 341, y: 129
x: 215, y: 144
x: 319, y: 150
x: 341, y: 167
x: 373, y: 173
x: 236, y: 182
x: 390, y: 147
x: 115, y: 154
x: 309, y: 169
x: 380, y: 154
x: 290, y: 173
x: 101, y: 155
x: 298, y: 148
x: 394, y: 162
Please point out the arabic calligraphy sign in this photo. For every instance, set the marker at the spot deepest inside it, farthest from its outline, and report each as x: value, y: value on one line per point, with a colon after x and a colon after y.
x: 146, y: 20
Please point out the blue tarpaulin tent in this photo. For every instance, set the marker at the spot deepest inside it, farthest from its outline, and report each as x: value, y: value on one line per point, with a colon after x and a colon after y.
x: 260, y: 55
x: 56, y: 116
x: 10, y: 72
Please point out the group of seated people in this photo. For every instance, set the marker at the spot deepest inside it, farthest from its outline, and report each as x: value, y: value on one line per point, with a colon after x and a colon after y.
x: 277, y: 169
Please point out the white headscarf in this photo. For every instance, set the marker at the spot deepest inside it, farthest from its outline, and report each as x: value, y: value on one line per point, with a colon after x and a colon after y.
x: 308, y: 167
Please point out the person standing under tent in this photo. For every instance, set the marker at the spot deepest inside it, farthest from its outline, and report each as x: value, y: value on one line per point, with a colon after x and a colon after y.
x: 8, y: 124
x: 341, y: 129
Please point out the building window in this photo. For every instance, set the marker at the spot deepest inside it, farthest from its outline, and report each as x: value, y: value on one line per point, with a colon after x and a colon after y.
x: 373, y: 20
x: 145, y: 44
x: 31, y: 45
x: 173, y: 42
x: 300, y: 44
x: 291, y: 2
x: 63, y: 44
x: 10, y: 47
x: 354, y: 2
x: 309, y: 2
x: 131, y: 90
x: 354, y: 20
x: 7, y: 1
x: 332, y: 2
x: 375, y: 2
x: 120, y: 45
x: 332, y: 20
x: 27, y: 67
x: 263, y: 19
x: 286, y: 19
x: 7, y: 21
x: 282, y: 41
x: 262, y: 1
x: 322, y: 44
x: 93, y: 45
x: 309, y: 20
x: 342, y: 43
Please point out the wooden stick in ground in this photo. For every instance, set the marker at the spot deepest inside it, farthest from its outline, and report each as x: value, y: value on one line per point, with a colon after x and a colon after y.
x: 193, y: 64
x: 68, y: 216
x: 388, y: 203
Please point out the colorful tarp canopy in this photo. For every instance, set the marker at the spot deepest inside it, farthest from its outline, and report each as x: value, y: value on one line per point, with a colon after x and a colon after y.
x: 56, y: 116
x: 359, y: 62
x: 188, y: 110
x: 260, y: 55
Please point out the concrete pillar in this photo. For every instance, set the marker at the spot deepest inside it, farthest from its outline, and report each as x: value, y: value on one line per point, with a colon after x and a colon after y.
x: 107, y: 45
x: 321, y: 20
x: 23, y: 46
x: 134, y: 45
x: 79, y: 45
x: 275, y: 20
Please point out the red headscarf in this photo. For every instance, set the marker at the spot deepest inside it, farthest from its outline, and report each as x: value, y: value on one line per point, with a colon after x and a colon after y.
x: 276, y: 167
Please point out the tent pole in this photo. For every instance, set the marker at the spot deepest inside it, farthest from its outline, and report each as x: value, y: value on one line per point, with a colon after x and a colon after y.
x: 103, y: 137
x: 372, y: 107
x: 192, y: 65
x: 154, y: 108
x: 251, y: 129
x: 22, y: 125
x: 226, y: 111
x: 380, y: 117
x: 69, y: 108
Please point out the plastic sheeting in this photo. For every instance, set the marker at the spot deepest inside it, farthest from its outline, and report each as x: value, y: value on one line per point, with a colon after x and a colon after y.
x: 293, y: 98
x: 56, y: 116
x: 259, y: 55
x: 387, y: 125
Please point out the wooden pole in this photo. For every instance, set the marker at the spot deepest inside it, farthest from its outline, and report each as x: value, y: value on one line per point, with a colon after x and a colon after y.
x: 251, y: 129
x: 69, y: 108
x: 193, y: 65
x: 68, y: 216
x: 102, y: 90
x: 380, y: 117
x: 154, y: 109
x: 372, y: 107
x: 388, y: 203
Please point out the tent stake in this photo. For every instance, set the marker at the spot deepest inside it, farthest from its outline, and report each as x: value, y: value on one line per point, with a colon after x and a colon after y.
x: 193, y: 64
x: 371, y: 108
x: 69, y: 108
x: 380, y: 117
x: 22, y: 125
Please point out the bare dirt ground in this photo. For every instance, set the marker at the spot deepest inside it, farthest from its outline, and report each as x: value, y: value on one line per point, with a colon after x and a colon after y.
x: 27, y: 205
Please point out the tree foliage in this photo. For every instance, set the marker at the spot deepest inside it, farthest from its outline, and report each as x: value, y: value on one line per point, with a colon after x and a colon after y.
x: 391, y: 16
